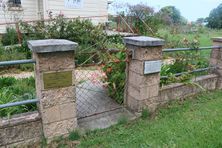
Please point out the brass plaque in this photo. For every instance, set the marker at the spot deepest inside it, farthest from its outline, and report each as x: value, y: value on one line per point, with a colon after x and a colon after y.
x: 57, y: 80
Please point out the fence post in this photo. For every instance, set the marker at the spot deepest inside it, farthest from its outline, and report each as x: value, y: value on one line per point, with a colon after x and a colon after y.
x: 216, y: 60
x: 143, y: 72
x: 55, y: 78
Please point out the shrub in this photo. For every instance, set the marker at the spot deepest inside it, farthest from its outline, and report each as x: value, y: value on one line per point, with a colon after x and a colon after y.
x: 115, y: 72
x: 81, y: 31
x: 10, y: 37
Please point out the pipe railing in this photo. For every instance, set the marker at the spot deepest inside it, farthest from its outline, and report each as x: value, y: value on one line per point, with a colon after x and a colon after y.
x: 190, y: 49
x: 17, y: 62
x: 190, y: 72
x: 32, y: 101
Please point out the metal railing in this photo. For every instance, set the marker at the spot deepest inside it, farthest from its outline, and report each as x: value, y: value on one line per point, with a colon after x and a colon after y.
x: 17, y: 62
x: 191, y: 49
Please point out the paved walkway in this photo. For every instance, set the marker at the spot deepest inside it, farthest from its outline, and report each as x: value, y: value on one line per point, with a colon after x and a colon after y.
x: 95, y: 109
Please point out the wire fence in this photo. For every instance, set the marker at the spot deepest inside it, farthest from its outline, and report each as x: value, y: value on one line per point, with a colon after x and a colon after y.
x: 100, y: 83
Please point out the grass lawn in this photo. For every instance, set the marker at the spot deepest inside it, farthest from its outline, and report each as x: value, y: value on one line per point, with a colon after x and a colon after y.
x: 197, y: 122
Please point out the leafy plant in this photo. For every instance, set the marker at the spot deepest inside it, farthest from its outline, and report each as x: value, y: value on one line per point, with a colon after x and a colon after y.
x: 115, y: 72
x: 145, y: 113
x: 10, y: 37
x: 74, y: 135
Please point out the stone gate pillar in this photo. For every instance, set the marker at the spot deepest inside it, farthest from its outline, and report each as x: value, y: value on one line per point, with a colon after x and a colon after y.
x: 55, y: 85
x: 216, y: 60
x: 143, y: 72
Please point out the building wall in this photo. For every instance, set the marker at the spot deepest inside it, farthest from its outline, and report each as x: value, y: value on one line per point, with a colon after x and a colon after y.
x: 36, y: 9
x: 30, y: 12
x: 88, y: 9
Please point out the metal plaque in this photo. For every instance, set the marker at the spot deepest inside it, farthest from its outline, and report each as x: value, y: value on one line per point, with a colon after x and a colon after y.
x: 152, y: 67
x: 57, y: 80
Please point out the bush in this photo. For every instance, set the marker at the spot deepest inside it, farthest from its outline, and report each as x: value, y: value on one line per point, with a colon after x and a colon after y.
x: 81, y: 31
x: 10, y: 37
x: 115, y: 72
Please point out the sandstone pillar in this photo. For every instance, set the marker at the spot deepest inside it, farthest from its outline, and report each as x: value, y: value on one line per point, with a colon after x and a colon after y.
x: 55, y: 85
x: 216, y: 60
x: 143, y: 72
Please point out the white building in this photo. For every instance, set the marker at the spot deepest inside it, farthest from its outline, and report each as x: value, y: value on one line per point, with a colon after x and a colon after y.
x: 29, y: 10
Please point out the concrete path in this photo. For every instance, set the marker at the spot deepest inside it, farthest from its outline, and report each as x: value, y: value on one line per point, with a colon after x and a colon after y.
x: 95, y: 109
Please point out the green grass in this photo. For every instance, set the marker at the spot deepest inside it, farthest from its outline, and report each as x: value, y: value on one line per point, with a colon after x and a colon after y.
x: 196, y: 122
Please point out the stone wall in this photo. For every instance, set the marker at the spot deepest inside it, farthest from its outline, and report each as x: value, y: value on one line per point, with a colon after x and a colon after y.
x: 180, y: 90
x: 20, y: 130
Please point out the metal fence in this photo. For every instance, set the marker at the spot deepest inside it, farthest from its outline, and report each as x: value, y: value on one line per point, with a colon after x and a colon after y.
x: 100, y: 83
x: 206, y: 69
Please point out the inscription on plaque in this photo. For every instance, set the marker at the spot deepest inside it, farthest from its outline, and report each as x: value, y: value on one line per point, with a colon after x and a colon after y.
x: 152, y: 67
x: 57, y: 80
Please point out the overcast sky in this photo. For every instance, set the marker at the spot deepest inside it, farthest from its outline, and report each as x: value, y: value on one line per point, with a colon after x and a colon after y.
x: 190, y: 9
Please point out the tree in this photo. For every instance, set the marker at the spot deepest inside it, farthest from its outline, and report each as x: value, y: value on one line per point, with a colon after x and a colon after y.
x: 170, y: 15
x: 140, y: 10
x: 200, y: 21
x: 215, y: 18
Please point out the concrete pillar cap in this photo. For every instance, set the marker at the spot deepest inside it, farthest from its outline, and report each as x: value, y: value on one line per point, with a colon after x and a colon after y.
x: 217, y: 39
x: 144, y: 41
x: 51, y: 45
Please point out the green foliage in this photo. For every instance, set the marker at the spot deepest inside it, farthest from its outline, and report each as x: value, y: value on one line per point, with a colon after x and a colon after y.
x: 81, y: 31
x: 74, y: 135
x: 10, y: 37
x: 145, y: 113
x: 170, y: 15
x: 14, y: 53
x: 115, y: 72
x: 215, y: 18
x: 12, y: 90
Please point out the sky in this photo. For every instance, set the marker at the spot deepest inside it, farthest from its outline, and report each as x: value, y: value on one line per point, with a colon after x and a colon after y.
x: 190, y: 9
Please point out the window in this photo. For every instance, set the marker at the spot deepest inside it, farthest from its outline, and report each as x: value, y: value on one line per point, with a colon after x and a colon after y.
x: 14, y: 3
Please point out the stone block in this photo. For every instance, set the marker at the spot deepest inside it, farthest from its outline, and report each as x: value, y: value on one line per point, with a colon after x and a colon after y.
x: 139, y: 80
x: 59, y: 128
x: 144, y: 41
x: 55, y: 97
x: 68, y: 111
x: 2, y: 137
x: 32, y: 130
x: 51, y: 114
x: 137, y: 66
x: 142, y: 93
x: 14, y: 134
x: 138, y: 105
x: 219, y: 83
x: 146, y: 54
x: 51, y: 45
x: 55, y: 61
